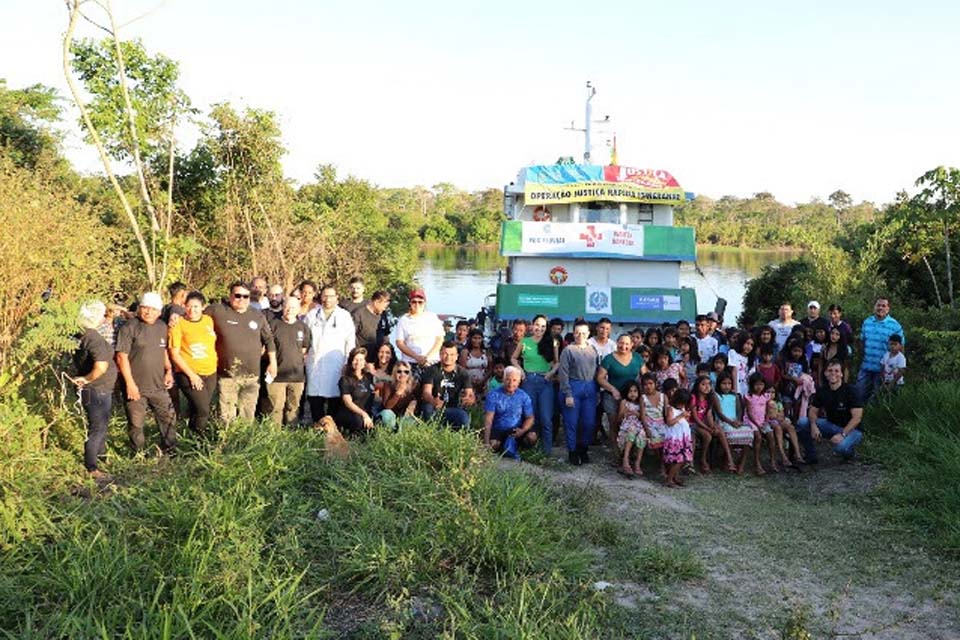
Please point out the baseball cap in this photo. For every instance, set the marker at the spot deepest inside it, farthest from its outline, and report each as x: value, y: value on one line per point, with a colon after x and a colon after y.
x: 813, y: 303
x: 713, y: 316
x: 151, y: 299
x: 417, y: 293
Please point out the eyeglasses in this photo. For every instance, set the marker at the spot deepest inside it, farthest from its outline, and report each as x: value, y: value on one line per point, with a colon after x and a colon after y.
x: 241, y: 296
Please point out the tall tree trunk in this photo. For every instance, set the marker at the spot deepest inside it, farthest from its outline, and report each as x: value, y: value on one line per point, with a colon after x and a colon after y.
x: 933, y: 279
x: 946, y: 246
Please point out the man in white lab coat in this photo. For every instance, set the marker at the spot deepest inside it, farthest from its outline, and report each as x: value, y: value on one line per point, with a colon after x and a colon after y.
x: 333, y: 335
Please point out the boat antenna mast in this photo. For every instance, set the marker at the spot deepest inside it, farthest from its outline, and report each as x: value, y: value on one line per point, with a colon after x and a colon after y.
x: 588, y: 122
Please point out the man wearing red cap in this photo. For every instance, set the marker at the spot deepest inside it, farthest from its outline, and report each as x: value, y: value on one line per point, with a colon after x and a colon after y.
x: 419, y: 333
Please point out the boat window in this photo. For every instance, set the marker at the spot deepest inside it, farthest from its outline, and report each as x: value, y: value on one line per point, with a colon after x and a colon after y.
x: 600, y: 212
x: 644, y: 214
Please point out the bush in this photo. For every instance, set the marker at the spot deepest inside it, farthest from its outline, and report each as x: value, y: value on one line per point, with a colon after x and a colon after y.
x: 935, y: 355
x: 228, y: 542
x: 916, y: 434
x: 792, y: 281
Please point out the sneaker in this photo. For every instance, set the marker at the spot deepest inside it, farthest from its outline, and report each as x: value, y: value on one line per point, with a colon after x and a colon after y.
x: 574, y: 458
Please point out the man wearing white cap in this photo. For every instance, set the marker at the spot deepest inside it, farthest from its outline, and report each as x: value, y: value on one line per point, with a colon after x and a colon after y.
x: 814, y: 320
x: 147, y: 374
x: 94, y: 360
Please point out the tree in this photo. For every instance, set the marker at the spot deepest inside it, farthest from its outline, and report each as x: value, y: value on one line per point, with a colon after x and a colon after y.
x: 27, y: 135
x: 132, y: 112
x: 938, y: 206
x: 840, y: 200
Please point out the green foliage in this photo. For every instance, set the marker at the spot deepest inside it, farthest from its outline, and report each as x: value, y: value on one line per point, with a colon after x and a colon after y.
x: 916, y: 434
x: 791, y: 281
x: 935, y: 355
x: 27, y: 118
x: 151, y: 85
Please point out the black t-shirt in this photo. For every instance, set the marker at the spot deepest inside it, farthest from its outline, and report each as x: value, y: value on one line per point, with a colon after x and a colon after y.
x: 169, y: 309
x: 146, y: 347
x: 835, y: 405
x: 368, y: 325
x: 91, y: 349
x: 360, y: 391
x: 290, y: 339
x: 352, y: 306
x: 447, y: 385
x: 239, y: 339
x: 272, y: 315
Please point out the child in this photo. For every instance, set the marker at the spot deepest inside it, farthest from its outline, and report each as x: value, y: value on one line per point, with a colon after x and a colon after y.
x: 766, y: 368
x: 664, y: 369
x: 653, y: 338
x: 706, y: 343
x: 894, y: 363
x: 728, y: 407
x: 633, y: 434
x: 670, y: 343
x: 814, y: 352
x: 718, y: 367
x: 755, y: 414
x: 703, y: 425
x: 775, y: 415
x: 677, y: 445
x: 652, y: 409
x: 792, y: 367
x: 496, y: 380
x: 689, y: 357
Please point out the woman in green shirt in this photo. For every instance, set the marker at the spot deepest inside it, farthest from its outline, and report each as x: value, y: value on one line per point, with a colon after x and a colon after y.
x: 537, y: 356
x: 617, y: 369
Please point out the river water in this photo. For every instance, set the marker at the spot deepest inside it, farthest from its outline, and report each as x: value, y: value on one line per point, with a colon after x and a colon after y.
x: 457, y: 279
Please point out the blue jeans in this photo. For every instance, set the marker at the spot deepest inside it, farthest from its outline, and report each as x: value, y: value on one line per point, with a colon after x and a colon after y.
x: 541, y: 394
x: 827, y: 430
x: 868, y: 382
x: 97, y: 405
x: 579, y: 420
x: 455, y: 417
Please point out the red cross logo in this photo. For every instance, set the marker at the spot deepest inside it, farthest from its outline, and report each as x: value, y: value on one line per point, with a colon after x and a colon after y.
x: 591, y: 236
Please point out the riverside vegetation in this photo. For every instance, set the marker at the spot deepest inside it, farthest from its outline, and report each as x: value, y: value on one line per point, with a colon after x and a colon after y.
x: 423, y: 535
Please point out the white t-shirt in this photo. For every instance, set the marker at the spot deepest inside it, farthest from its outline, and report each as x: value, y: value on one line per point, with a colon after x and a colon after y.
x: 891, y: 364
x: 603, y: 350
x: 707, y: 347
x: 419, y: 334
x: 782, y: 331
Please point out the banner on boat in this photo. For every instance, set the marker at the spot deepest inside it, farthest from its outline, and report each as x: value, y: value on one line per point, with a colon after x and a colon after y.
x: 556, y: 184
x: 600, y: 240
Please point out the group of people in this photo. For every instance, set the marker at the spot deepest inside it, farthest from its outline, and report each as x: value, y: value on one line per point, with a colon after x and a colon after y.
x: 674, y: 388
x: 295, y: 358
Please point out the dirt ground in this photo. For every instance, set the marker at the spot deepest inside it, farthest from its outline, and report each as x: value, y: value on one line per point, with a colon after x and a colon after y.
x: 807, y: 549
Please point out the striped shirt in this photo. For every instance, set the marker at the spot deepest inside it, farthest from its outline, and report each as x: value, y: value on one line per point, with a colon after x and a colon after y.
x: 875, y: 334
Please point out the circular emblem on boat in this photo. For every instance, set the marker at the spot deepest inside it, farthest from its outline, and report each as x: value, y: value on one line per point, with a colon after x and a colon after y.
x: 558, y: 275
x: 598, y: 300
x: 541, y: 214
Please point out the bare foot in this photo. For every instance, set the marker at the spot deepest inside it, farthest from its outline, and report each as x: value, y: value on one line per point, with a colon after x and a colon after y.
x: 760, y: 471
x: 671, y: 484
x: 704, y: 467
x: 637, y: 470
x: 679, y: 482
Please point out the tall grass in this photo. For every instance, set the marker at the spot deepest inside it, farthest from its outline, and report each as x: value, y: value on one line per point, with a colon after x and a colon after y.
x: 225, y: 541
x: 916, y: 434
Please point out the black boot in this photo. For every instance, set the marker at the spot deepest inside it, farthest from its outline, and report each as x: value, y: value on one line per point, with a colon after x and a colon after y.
x: 584, y: 456
x: 574, y: 457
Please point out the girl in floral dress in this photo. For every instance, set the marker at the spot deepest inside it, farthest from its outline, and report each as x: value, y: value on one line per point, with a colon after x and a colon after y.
x: 633, y: 434
x: 677, y: 444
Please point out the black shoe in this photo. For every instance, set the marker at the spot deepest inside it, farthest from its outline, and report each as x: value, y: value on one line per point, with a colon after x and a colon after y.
x: 584, y: 456
x: 574, y: 458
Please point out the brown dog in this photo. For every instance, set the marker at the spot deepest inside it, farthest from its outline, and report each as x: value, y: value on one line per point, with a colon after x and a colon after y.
x: 336, y: 447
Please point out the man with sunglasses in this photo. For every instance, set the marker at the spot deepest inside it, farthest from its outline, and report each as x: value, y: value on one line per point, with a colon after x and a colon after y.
x: 242, y: 336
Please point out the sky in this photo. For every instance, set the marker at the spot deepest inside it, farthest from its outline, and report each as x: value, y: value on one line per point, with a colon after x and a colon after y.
x: 798, y: 99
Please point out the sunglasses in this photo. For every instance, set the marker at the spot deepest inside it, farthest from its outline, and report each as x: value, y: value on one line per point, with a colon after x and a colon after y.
x: 402, y: 371
x: 241, y: 296
x: 417, y: 301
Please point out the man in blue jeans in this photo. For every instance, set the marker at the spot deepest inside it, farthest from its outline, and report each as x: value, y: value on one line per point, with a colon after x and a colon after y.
x: 836, y: 412
x: 447, y: 390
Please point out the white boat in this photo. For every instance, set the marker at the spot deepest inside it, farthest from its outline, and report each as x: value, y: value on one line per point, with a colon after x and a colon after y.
x: 594, y: 241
